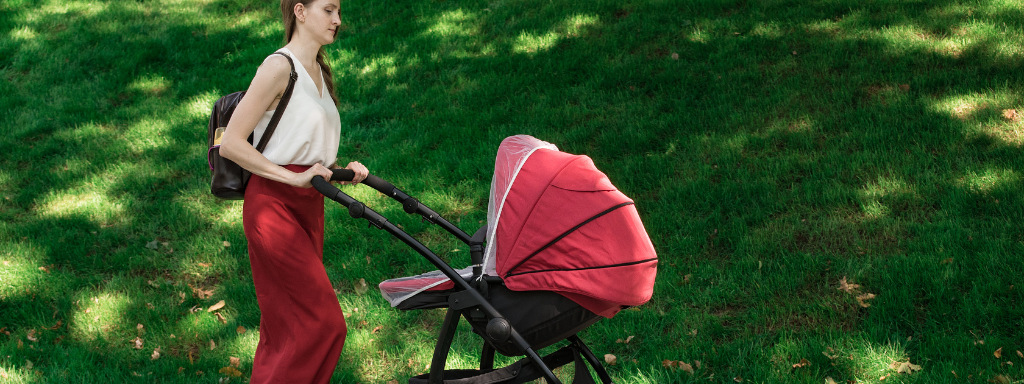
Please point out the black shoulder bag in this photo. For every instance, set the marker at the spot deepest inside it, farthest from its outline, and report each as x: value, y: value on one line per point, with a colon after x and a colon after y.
x: 229, y: 179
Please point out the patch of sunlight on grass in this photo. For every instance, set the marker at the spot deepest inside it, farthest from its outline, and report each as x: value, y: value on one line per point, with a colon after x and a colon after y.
x: 65, y: 8
x: 988, y: 179
x: 448, y: 204
x: 381, y: 66
x: 802, y: 124
x: 773, y: 31
x: 199, y: 106
x: 874, y: 192
x: 453, y: 23
x: 19, y: 269
x: 867, y: 359
x: 530, y: 43
x: 92, y: 204
x: 97, y: 314
x: 965, y: 107
x: 147, y: 134
x: 11, y: 375
x: 151, y: 84
x: 22, y: 35
x: 574, y: 25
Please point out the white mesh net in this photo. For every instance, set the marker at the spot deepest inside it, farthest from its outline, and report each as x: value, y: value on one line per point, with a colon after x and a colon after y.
x: 514, y: 152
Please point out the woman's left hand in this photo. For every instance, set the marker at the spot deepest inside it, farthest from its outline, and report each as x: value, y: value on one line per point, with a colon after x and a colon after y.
x: 359, y: 169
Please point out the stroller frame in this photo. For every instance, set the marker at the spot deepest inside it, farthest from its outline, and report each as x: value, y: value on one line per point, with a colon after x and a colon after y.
x: 466, y: 300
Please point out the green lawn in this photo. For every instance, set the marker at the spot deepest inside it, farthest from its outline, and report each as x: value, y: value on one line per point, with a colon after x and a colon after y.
x: 774, y: 149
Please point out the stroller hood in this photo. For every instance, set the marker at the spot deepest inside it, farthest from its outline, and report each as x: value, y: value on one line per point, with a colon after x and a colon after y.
x: 556, y: 223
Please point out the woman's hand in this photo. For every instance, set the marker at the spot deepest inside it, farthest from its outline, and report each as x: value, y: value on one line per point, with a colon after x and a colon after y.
x: 303, y: 180
x: 359, y: 169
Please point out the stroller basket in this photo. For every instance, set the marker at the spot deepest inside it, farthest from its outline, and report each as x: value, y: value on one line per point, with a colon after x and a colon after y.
x: 559, y: 245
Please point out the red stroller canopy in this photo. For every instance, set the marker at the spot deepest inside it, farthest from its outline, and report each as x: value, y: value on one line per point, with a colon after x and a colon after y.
x: 556, y: 223
x: 564, y: 227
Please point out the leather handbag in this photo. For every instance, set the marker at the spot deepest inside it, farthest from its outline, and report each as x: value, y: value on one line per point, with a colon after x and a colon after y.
x: 229, y: 179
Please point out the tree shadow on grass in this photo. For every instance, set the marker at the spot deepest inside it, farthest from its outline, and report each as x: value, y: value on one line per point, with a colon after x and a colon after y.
x: 813, y: 141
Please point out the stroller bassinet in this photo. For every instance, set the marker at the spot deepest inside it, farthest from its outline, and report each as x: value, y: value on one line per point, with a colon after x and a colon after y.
x: 563, y: 249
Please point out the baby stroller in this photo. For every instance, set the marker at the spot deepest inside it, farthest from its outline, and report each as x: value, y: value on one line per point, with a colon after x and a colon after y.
x: 562, y: 248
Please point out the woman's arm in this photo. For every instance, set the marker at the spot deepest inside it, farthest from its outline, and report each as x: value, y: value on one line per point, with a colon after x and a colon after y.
x: 265, y: 91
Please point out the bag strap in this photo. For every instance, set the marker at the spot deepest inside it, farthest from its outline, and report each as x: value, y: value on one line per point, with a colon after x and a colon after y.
x: 276, y: 118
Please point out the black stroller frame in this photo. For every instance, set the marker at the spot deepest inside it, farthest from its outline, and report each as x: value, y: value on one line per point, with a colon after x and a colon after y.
x: 469, y: 299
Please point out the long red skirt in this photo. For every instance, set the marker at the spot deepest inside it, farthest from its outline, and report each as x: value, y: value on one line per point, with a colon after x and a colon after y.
x: 302, y: 328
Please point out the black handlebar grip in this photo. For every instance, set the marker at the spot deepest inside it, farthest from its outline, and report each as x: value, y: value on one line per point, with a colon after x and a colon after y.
x: 380, y: 185
x: 325, y: 187
x: 342, y: 174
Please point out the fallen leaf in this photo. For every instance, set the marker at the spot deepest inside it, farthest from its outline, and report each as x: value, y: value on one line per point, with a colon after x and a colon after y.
x: 205, y: 265
x: 227, y: 244
x: 219, y: 305
x: 235, y: 362
x: 954, y: 374
x: 696, y: 364
x: 221, y: 318
x: 686, y: 367
x: 628, y: 339
x: 230, y: 371
x: 847, y: 287
x: 156, y: 354
x: 610, y: 359
x: 739, y: 379
x: 668, y: 363
x: 240, y: 329
x: 212, y: 345
x: 947, y: 261
x: 1018, y: 352
x: 1011, y: 114
x: 802, y: 363
x: 140, y: 327
x: 861, y: 299
x: 137, y: 343
x: 150, y: 306
x: 828, y: 380
x: 153, y: 244
x: 998, y: 353
x: 361, y: 287
x: 377, y: 329
x: 1001, y: 379
x: 393, y: 382
x: 675, y: 56
x: 44, y: 269
x: 31, y: 336
x: 907, y: 367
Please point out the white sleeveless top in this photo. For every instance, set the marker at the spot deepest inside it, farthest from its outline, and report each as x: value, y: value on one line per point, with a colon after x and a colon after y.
x: 310, y: 128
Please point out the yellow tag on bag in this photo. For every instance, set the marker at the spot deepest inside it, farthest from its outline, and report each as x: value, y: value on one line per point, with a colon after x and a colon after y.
x: 218, y: 135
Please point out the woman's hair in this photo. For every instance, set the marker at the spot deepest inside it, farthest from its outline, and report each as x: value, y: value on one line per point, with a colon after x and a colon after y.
x: 288, y: 12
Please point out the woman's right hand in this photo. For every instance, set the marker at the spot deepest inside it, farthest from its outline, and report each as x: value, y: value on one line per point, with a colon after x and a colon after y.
x: 304, y: 179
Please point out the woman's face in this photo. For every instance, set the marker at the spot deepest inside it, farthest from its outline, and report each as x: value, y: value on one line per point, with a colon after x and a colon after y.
x: 321, y: 20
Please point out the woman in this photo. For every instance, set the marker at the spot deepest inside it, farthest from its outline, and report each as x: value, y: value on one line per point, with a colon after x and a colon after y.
x: 302, y: 328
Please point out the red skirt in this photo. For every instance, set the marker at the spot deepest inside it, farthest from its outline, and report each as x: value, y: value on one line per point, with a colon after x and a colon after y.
x: 302, y: 328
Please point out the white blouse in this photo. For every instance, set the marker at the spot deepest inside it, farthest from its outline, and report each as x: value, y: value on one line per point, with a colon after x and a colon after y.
x: 310, y: 128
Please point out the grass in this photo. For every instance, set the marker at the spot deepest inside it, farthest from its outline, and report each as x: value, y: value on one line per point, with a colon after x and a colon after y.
x: 773, y: 148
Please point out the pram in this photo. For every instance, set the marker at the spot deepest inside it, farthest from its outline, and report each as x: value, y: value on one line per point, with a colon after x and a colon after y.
x: 562, y: 248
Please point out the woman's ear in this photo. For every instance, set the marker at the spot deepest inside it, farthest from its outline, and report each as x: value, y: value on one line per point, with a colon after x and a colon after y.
x: 300, y: 12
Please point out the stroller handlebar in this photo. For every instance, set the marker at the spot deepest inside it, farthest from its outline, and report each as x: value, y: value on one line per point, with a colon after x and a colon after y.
x: 409, y: 203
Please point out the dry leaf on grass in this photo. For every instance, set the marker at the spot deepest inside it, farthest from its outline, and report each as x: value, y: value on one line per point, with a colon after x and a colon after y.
x: 230, y: 371
x: 1001, y: 379
x: 1011, y: 114
x: 862, y: 299
x: 628, y: 339
x: 212, y: 345
x: 610, y: 359
x: 219, y: 305
x: 235, y: 362
x: 377, y: 329
x: 227, y: 244
x: 361, y: 287
x: 1020, y: 354
x: 240, y: 329
x: 802, y: 363
x: 156, y: 354
x: 137, y: 343
x: 904, y: 367
x: 31, y: 336
x: 828, y: 380
x: 998, y: 353
x: 221, y: 318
